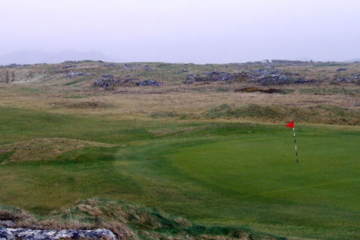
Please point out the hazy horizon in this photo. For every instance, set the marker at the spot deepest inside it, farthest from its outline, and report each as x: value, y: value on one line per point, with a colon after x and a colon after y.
x: 202, y: 31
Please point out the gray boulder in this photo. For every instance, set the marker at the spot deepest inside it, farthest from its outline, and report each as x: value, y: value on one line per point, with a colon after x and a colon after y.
x: 30, y: 234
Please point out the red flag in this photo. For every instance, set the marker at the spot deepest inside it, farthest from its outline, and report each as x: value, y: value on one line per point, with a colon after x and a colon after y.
x: 291, y: 124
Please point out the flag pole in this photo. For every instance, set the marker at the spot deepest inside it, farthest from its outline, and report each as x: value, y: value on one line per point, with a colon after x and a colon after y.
x: 296, y: 146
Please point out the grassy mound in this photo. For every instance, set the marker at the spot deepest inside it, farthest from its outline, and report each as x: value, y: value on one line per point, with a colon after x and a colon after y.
x: 128, y: 222
x: 40, y: 149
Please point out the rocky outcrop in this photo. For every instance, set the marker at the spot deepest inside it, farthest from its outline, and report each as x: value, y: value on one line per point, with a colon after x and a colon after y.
x: 30, y: 234
x: 282, y: 79
x: 263, y: 76
x: 109, y: 82
x: 353, y: 78
x: 273, y: 76
x: 215, y: 77
x: 149, y: 83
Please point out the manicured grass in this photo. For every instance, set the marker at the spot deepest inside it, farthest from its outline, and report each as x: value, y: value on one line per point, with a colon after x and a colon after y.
x: 321, y: 194
x: 217, y: 173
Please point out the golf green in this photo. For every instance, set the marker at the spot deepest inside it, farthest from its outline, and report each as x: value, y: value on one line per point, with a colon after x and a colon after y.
x: 260, y: 173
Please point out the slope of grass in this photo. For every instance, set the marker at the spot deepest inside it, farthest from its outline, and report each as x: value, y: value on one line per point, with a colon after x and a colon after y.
x: 212, y: 173
x: 20, y: 124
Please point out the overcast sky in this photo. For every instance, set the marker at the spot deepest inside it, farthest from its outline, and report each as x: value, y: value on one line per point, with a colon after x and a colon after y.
x: 200, y: 31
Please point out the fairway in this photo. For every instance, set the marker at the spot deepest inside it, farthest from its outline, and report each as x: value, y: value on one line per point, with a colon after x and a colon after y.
x: 237, y: 174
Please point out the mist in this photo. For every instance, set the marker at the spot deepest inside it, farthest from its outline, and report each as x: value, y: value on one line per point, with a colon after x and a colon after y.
x: 201, y: 31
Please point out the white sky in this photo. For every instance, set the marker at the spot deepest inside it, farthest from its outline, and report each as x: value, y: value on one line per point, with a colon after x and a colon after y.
x: 198, y: 31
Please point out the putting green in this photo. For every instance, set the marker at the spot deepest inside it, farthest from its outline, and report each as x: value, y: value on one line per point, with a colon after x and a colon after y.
x: 260, y: 174
x: 264, y: 168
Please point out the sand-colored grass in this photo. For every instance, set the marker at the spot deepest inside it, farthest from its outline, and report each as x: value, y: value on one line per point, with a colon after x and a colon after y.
x: 41, y: 149
x: 143, y: 102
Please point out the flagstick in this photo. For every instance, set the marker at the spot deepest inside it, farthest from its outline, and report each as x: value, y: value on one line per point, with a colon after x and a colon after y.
x: 296, y: 147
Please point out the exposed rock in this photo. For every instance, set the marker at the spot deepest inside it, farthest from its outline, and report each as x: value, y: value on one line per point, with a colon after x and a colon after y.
x: 215, y: 77
x: 117, y: 219
x: 147, y: 68
x: 263, y: 76
x: 353, y: 78
x: 220, y: 76
x: 106, y: 83
x: 275, y: 79
x: 109, y: 82
x: 272, y: 76
x: 29, y: 234
x: 149, y: 83
x: 190, y: 79
x: 303, y: 81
